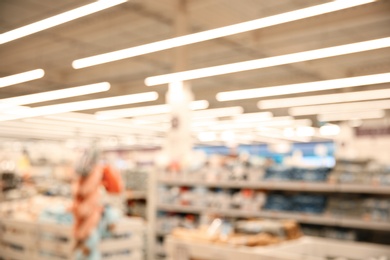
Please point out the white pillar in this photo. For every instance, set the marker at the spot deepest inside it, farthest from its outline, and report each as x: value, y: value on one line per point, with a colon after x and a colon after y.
x: 178, y: 143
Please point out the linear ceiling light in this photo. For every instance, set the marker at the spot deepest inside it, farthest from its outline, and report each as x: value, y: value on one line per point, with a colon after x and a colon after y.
x: 337, y: 108
x: 269, y: 62
x: 84, y: 105
x: 324, y: 99
x: 278, y: 134
x: 54, y: 95
x: 21, y: 77
x: 147, y: 110
x: 80, y: 119
x: 280, y: 122
x: 58, y: 19
x: 253, y: 117
x: 217, y: 33
x: 303, y: 87
x: 351, y: 116
x: 217, y: 112
x: 90, y: 122
x: 329, y: 130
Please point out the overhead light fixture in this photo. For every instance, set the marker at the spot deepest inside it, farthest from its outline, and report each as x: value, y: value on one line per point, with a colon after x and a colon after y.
x: 301, y: 88
x: 87, y: 120
x: 347, y: 116
x: 278, y: 134
x: 204, y: 122
x: 21, y: 77
x: 284, y: 122
x: 54, y: 95
x: 228, y: 136
x: 207, y: 136
x: 84, y: 105
x: 58, y: 19
x: 329, y: 130
x: 305, y: 131
x: 289, y: 132
x: 217, y: 33
x: 253, y: 117
x: 269, y: 62
x: 217, y: 112
x: 324, y: 99
x: 146, y: 110
x: 339, y: 108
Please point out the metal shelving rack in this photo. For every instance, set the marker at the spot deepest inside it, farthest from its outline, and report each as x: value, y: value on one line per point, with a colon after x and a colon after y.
x: 323, y: 219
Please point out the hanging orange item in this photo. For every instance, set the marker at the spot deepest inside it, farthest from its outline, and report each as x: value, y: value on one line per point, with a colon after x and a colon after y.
x: 112, y: 180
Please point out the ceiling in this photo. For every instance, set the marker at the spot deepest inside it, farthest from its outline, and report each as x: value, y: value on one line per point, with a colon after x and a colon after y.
x: 139, y: 22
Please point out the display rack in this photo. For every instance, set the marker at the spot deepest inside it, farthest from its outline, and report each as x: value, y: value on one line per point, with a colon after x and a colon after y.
x: 287, y: 186
x: 26, y: 240
x: 324, y: 219
x: 309, y: 248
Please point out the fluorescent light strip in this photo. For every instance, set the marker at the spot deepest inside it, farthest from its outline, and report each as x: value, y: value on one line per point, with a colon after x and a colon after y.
x: 54, y: 95
x: 269, y: 62
x: 83, y: 119
x: 58, y: 19
x: 281, y: 122
x: 278, y: 134
x: 253, y: 117
x: 121, y: 128
x: 274, y: 122
x: 21, y: 77
x: 373, y: 114
x: 85, y: 105
x: 338, y: 108
x: 217, y: 112
x: 197, y: 116
x: 304, y: 87
x: 324, y: 99
x: 147, y: 110
x: 217, y: 33
x: 103, y: 130
x: 329, y: 130
x: 32, y: 132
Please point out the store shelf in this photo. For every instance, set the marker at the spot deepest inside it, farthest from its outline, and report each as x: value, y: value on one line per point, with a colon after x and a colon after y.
x: 302, y: 248
x: 289, y: 186
x: 363, y: 224
x: 132, y: 194
x: 364, y: 188
x: 319, y: 219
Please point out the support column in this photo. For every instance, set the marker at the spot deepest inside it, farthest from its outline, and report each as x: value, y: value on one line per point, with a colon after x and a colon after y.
x: 179, y: 96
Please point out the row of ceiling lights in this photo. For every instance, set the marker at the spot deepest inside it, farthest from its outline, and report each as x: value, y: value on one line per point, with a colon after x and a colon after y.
x: 22, y: 112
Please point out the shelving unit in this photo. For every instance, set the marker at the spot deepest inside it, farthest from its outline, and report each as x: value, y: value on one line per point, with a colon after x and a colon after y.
x: 286, y: 186
x: 324, y: 219
x: 304, y: 248
x: 302, y: 218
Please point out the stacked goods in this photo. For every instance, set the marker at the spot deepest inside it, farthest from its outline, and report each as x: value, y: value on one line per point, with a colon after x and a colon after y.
x: 242, y: 233
x: 41, y: 228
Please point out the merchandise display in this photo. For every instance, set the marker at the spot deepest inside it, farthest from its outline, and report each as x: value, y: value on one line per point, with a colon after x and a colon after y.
x: 302, y: 248
x: 242, y: 233
x: 232, y: 188
x: 49, y: 221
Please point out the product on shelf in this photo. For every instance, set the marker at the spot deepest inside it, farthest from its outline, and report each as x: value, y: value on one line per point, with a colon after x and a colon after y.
x: 286, y: 173
x: 330, y: 232
x: 360, y: 172
x: 242, y: 233
x: 305, y: 203
x: 42, y: 226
